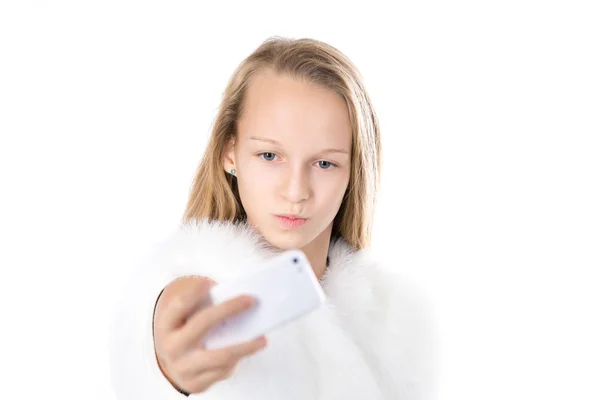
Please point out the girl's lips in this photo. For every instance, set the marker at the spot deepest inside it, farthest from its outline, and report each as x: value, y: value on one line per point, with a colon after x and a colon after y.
x: 290, y: 222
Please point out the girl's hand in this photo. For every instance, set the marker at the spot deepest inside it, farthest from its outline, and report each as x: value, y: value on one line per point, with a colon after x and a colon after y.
x: 180, y: 322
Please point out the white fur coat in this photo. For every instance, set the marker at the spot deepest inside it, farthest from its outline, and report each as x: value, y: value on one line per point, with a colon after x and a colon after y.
x: 372, y: 340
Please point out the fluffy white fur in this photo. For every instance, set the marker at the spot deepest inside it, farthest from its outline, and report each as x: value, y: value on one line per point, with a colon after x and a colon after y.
x: 372, y: 339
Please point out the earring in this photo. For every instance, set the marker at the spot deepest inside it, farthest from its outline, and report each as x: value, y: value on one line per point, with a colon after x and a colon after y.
x: 232, y: 172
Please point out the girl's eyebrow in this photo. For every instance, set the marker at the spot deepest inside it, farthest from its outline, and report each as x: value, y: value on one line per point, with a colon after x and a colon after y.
x: 276, y: 143
x: 262, y: 139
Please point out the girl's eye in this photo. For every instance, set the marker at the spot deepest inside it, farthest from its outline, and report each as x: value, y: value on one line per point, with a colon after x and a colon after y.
x: 272, y: 156
x: 267, y: 156
x: 325, y: 164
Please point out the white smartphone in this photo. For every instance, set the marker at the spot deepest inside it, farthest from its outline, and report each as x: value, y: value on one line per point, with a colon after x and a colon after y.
x: 285, y: 290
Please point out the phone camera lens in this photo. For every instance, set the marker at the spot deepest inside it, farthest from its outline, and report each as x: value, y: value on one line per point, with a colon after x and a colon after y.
x: 295, y: 260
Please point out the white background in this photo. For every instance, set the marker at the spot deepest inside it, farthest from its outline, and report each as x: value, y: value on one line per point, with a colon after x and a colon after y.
x: 490, y: 113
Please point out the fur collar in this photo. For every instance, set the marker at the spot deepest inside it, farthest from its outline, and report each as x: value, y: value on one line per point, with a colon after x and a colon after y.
x: 371, y: 340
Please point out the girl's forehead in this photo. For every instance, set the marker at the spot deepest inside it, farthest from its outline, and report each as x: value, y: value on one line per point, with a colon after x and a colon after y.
x: 281, y: 110
x: 279, y: 99
x: 291, y: 123
x: 296, y: 132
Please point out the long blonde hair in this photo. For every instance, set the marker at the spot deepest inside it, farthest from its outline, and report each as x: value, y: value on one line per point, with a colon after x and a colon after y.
x: 214, y: 193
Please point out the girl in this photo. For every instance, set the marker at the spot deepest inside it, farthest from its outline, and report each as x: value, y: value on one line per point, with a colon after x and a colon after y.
x: 293, y: 162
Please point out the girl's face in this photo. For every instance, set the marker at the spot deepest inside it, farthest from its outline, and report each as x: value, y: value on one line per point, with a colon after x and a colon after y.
x: 292, y: 157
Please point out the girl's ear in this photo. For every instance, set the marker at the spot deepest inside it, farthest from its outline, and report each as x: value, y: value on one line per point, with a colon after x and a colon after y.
x: 229, y: 155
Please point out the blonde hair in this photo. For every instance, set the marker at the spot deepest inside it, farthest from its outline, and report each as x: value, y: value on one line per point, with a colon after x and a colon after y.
x: 214, y: 193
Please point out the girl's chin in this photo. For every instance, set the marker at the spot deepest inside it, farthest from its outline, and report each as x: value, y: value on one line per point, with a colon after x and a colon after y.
x: 286, y: 242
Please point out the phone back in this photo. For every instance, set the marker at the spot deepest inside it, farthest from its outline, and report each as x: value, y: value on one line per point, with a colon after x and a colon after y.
x: 284, y: 290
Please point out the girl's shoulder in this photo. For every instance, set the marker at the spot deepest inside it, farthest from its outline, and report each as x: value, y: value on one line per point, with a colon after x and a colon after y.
x: 389, y: 315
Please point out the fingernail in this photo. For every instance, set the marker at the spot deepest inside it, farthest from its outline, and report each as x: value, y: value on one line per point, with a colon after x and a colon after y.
x: 205, y: 282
